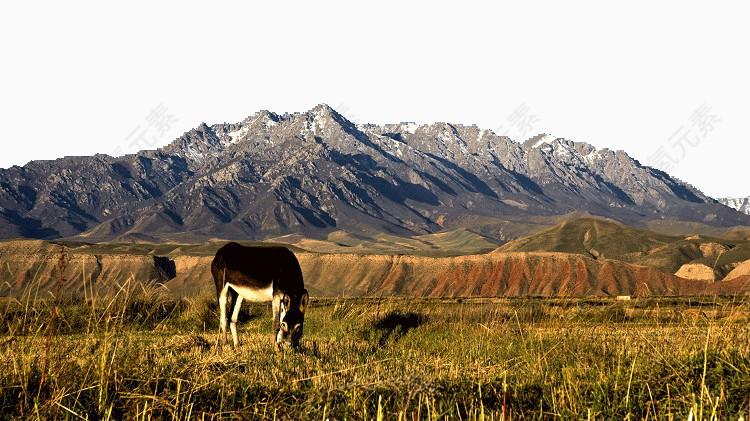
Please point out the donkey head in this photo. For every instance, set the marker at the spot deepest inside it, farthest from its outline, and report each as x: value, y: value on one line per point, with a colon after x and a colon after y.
x: 292, y: 318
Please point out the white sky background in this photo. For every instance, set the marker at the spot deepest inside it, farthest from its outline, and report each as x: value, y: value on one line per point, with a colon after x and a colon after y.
x: 78, y: 77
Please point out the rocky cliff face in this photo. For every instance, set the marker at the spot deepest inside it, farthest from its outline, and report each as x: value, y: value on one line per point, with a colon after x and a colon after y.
x: 742, y: 204
x: 316, y: 172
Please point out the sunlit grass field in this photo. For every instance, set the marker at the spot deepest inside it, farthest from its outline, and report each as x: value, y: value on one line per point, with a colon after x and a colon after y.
x: 143, y: 354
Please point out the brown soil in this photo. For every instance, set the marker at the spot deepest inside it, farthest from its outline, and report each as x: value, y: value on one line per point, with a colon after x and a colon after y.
x: 696, y: 271
x: 713, y: 249
x: 743, y: 269
x: 34, y: 263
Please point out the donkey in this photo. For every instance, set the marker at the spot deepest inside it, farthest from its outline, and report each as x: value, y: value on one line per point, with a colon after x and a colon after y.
x: 261, y: 274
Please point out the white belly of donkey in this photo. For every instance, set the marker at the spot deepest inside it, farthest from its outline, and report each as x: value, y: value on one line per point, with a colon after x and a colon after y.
x: 254, y: 294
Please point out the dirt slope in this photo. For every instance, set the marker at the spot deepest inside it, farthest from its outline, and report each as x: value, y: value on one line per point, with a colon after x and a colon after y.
x: 742, y: 269
x: 34, y: 263
x: 494, y: 274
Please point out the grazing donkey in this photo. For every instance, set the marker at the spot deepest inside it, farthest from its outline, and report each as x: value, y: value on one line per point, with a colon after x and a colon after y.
x: 261, y: 274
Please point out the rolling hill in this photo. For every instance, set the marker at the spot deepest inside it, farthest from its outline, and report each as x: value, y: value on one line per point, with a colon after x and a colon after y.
x: 692, y: 257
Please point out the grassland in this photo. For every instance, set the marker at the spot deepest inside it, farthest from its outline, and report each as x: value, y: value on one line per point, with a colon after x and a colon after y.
x: 142, y: 354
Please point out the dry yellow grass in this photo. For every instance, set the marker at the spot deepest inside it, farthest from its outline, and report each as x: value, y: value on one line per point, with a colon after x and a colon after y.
x: 148, y: 356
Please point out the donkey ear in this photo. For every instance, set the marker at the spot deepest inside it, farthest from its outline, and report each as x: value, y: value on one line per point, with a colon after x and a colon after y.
x: 303, y: 301
x: 286, y: 302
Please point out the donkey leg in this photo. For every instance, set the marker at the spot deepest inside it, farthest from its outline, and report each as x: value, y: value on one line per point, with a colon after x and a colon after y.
x: 276, y: 306
x: 235, y: 315
x: 223, y: 311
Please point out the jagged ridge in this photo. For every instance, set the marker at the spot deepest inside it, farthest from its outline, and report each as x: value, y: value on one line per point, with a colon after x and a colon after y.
x: 315, y: 172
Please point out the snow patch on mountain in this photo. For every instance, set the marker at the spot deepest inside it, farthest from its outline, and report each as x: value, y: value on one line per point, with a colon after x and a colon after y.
x: 592, y: 157
x: 410, y: 128
x: 236, y: 135
x: 742, y: 204
x: 546, y: 138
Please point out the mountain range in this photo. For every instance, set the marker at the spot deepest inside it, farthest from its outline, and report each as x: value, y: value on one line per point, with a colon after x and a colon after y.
x: 316, y: 174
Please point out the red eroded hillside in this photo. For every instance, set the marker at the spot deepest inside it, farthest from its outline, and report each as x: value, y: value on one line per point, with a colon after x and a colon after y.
x: 33, y: 264
x: 494, y: 274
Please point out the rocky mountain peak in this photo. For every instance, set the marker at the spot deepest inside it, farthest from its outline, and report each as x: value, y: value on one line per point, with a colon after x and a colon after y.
x: 324, y: 115
x: 323, y: 110
x: 264, y: 116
